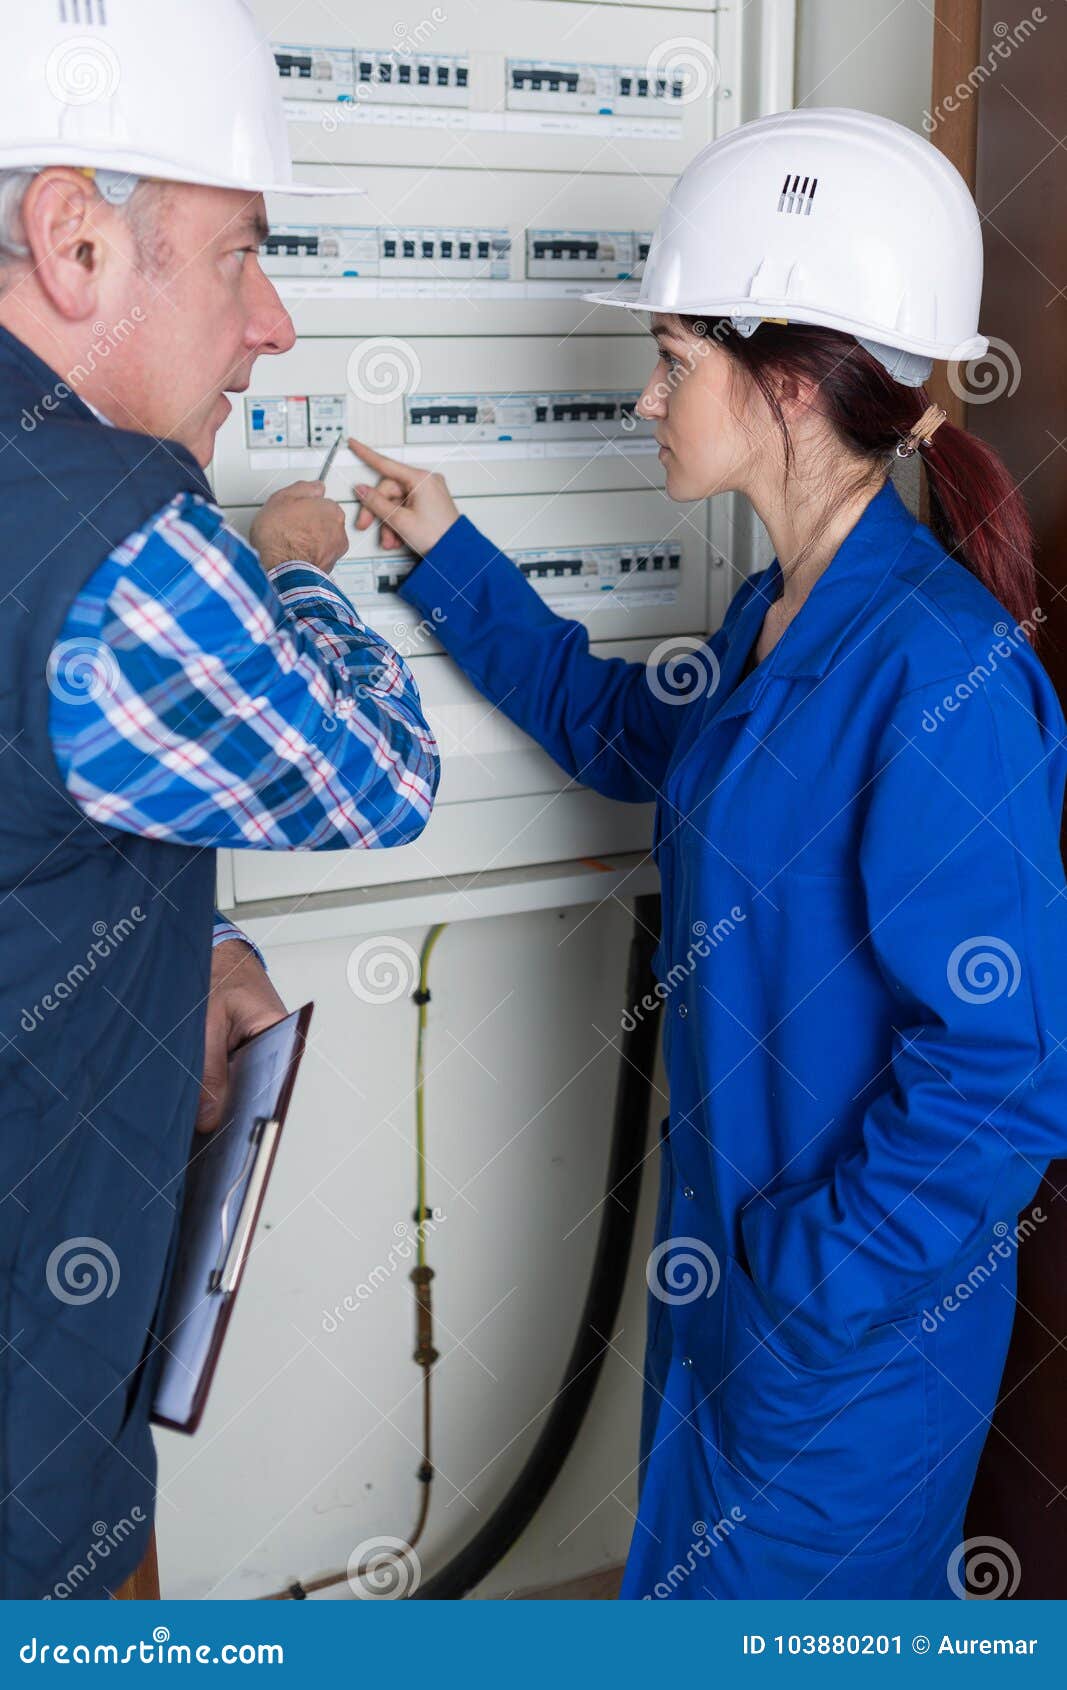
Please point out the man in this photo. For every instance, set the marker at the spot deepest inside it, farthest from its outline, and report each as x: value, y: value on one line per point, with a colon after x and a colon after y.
x: 163, y: 690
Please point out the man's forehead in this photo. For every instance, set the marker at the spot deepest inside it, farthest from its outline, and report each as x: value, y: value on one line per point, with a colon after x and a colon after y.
x: 225, y: 214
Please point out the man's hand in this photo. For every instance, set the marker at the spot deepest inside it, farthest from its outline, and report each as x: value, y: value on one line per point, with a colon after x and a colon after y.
x: 300, y: 524
x: 414, y: 506
x: 242, y: 1002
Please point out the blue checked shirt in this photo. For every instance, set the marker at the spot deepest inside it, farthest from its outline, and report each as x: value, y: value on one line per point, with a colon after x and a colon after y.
x: 196, y: 700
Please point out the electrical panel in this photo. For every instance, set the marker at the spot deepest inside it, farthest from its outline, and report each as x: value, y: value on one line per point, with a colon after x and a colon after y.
x: 508, y: 241
x: 496, y: 413
x: 497, y: 167
x: 628, y: 567
x: 457, y: 87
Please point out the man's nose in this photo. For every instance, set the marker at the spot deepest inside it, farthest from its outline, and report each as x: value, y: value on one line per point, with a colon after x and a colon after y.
x: 270, y: 327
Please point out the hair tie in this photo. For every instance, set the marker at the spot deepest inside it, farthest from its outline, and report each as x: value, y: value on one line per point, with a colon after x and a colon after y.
x: 922, y: 432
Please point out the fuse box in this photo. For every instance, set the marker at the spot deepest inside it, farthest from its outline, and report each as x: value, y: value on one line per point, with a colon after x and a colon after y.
x: 496, y: 168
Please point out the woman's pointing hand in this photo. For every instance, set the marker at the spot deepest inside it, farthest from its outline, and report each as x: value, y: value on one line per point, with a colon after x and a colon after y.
x: 413, y: 505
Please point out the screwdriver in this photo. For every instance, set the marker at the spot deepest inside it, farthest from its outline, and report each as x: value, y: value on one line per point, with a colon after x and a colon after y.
x: 331, y: 454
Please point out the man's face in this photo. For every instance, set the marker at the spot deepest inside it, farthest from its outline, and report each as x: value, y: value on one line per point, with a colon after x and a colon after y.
x: 206, y: 312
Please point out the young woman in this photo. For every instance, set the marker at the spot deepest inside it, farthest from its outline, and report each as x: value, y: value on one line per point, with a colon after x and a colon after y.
x: 858, y: 785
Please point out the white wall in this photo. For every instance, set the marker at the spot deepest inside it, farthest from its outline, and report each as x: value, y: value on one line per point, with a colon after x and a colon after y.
x: 311, y: 1438
x: 875, y: 54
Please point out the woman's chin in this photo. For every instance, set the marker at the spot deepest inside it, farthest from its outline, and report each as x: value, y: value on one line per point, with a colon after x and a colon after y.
x: 674, y: 484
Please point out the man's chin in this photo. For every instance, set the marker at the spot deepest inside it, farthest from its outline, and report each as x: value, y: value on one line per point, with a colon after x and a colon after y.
x: 202, y: 443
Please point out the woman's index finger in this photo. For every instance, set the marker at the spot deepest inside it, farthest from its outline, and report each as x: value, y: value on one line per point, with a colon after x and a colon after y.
x: 378, y: 461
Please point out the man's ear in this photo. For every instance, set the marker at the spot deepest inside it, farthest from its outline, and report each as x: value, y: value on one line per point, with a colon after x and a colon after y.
x: 65, y: 222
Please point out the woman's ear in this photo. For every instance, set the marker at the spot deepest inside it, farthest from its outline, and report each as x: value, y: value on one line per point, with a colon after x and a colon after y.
x: 797, y: 396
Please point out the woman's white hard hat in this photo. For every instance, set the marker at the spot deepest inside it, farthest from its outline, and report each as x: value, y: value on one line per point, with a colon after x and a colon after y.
x: 183, y: 90
x: 826, y: 216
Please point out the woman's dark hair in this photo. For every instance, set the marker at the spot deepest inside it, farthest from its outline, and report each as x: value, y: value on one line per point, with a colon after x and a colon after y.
x: 976, y: 510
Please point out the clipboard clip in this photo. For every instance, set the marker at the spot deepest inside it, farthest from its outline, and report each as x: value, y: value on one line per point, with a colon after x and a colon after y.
x: 237, y: 1235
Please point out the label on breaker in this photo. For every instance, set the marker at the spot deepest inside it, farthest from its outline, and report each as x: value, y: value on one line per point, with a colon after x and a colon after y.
x: 342, y: 116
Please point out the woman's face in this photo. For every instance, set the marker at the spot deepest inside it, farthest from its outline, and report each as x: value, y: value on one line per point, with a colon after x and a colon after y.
x: 703, y: 447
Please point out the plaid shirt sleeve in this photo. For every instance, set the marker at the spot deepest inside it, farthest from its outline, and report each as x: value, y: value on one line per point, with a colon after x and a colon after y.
x: 196, y: 700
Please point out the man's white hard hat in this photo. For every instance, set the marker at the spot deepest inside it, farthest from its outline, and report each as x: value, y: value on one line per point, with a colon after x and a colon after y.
x: 827, y: 216
x: 184, y: 90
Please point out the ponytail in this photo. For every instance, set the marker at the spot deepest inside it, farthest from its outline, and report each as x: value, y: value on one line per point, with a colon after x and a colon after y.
x: 979, y: 516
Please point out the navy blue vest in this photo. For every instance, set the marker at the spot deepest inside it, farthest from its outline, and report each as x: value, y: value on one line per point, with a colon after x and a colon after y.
x: 105, y: 953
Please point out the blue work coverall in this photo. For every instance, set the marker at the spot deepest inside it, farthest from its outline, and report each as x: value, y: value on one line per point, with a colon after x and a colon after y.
x: 864, y: 971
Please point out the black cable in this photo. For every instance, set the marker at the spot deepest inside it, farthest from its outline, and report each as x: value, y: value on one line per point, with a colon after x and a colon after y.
x: 542, y: 1467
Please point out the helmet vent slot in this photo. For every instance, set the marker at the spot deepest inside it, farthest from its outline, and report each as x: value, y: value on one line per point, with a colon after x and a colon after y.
x: 797, y: 194
x: 83, y: 12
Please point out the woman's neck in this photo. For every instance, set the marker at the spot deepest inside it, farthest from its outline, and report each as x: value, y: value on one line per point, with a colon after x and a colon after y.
x: 803, y: 545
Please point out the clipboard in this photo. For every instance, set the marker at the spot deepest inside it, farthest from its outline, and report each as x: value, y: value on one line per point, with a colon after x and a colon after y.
x: 224, y: 1190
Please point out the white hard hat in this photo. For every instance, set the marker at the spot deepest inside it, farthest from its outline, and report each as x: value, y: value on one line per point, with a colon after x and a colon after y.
x: 185, y: 90
x: 826, y: 216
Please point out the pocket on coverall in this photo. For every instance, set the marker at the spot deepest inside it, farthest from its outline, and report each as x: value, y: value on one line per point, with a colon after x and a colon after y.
x: 833, y: 1458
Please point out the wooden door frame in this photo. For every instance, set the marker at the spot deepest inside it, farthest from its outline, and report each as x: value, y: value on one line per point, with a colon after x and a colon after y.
x: 957, y: 45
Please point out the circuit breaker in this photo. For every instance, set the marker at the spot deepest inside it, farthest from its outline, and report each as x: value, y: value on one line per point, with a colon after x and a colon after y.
x: 544, y: 77
x: 493, y: 174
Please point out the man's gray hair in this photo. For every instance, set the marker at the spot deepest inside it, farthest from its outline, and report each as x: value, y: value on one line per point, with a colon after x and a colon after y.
x: 139, y: 206
x: 13, y: 185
